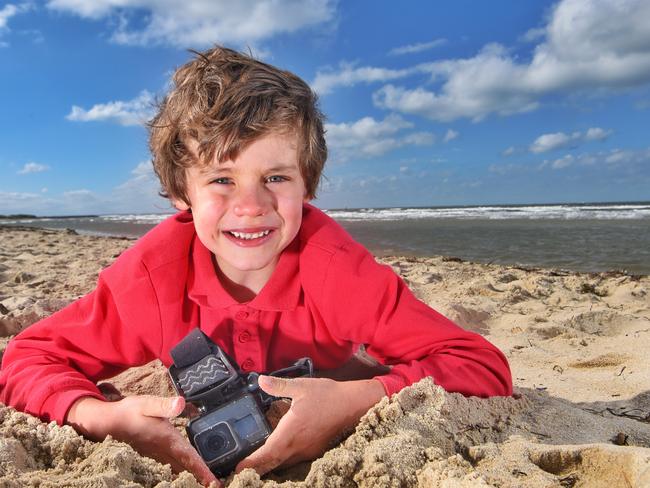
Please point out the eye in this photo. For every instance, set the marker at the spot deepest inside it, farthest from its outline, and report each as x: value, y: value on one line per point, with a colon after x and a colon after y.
x: 221, y: 181
x: 277, y: 179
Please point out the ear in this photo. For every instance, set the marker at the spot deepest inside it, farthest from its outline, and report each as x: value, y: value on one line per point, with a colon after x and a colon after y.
x: 180, y: 204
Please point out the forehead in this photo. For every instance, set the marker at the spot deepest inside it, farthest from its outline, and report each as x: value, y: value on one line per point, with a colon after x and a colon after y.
x: 273, y: 150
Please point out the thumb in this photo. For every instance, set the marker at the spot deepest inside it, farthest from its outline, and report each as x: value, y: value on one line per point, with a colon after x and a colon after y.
x: 281, y: 387
x: 164, y: 407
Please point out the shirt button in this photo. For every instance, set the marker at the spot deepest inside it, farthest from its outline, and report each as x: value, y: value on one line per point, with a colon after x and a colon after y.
x: 241, y: 315
x: 248, y: 364
x: 244, y: 336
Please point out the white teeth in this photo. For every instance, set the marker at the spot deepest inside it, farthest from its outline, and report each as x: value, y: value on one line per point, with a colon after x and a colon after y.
x: 256, y: 235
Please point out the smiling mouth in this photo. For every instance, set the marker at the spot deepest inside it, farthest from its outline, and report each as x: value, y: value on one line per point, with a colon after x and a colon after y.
x: 249, y: 236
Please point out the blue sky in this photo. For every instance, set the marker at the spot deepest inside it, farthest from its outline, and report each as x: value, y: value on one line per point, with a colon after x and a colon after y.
x: 453, y: 102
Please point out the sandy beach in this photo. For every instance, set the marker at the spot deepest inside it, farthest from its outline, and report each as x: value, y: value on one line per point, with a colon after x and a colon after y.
x: 577, y: 345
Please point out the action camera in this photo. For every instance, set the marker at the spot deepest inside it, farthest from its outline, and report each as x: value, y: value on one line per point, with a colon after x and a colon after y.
x: 230, y: 423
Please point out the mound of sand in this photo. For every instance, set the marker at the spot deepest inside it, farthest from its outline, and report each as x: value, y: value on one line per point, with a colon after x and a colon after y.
x: 576, y: 345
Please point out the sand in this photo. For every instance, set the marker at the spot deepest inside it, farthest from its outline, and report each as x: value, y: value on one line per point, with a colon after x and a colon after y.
x: 577, y: 345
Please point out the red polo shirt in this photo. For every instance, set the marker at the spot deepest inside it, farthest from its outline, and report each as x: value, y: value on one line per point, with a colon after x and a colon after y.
x: 326, y: 296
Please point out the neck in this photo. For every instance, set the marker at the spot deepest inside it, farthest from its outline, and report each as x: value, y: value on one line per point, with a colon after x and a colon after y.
x: 245, y: 285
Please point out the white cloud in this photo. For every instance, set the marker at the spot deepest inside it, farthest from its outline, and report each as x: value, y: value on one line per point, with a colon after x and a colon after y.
x: 563, y: 162
x: 550, y: 142
x: 194, y: 23
x: 597, y: 134
x: 416, y: 48
x: 534, y: 35
x: 7, y: 12
x: 560, y: 140
x: 629, y: 160
x: 132, y: 112
x: 33, y: 168
x: 349, y: 75
x: 450, y: 135
x: 138, y: 193
x: 586, y: 45
x: 368, y: 137
x: 509, y: 151
x: 10, y: 10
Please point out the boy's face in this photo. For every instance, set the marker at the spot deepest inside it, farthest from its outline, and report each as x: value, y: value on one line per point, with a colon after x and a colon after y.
x: 248, y: 210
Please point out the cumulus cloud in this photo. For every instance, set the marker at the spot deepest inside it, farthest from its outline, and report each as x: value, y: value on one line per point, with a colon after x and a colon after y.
x: 585, y: 45
x: 132, y: 112
x: 550, y: 142
x: 193, y: 23
x: 33, y: 168
x: 349, y: 75
x: 474, y: 88
x: 629, y: 160
x: 368, y: 137
x: 416, y: 48
x: 560, y: 140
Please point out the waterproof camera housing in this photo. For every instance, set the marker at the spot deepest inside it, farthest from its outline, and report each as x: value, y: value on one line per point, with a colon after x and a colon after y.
x: 230, y: 423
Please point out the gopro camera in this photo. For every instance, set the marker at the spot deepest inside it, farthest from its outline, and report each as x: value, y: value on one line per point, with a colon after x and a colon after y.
x: 230, y: 423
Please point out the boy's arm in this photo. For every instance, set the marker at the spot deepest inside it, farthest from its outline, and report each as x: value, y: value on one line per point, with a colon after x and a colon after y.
x: 51, y: 364
x: 143, y: 422
x: 367, y: 303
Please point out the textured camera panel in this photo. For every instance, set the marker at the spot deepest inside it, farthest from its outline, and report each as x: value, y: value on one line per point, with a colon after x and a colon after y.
x: 207, y: 372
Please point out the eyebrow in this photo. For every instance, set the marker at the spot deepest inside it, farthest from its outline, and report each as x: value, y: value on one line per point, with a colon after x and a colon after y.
x: 283, y: 168
x: 278, y: 168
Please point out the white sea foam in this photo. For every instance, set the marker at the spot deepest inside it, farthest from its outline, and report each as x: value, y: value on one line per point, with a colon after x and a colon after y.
x: 136, y: 218
x: 564, y: 212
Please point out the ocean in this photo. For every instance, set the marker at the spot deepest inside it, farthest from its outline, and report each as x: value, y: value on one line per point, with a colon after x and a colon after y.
x: 581, y: 237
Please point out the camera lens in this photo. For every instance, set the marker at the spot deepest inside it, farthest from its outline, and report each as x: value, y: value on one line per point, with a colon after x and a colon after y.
x: 215, y: 442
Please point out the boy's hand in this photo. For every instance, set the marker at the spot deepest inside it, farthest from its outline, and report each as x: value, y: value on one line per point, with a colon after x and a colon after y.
x: 142, y: 422
x: 321, y: 409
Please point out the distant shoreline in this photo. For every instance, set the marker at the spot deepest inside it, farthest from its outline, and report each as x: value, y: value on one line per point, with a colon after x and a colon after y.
x: 356, y: 209
x: 29, y: 216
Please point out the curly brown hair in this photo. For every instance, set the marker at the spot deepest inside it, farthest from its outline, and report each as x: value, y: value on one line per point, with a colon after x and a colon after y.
x: 223, y: 100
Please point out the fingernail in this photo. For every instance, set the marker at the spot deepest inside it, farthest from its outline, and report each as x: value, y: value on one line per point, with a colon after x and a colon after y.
x: 176, y: 406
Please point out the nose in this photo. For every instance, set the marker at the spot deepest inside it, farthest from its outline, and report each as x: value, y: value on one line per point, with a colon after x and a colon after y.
x: 251, y: 201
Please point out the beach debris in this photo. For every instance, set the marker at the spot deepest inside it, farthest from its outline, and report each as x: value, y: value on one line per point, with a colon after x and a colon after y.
x: 620, y: 439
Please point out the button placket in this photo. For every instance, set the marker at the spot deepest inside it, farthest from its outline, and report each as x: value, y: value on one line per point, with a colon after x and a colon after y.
x: 245, y: 341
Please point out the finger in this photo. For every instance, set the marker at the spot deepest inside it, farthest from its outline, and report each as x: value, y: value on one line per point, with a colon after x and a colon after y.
x: 190, y: 460
x: 274, y: 452
x: 175, y: 450
x: 261, y: 462
x: 162, y: 407
x: 282, y: 387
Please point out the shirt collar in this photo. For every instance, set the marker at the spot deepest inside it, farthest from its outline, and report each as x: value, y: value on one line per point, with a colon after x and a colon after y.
x: 281, y: 292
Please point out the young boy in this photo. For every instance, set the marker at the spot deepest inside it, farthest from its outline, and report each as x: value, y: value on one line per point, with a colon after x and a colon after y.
x: 239, y: 148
